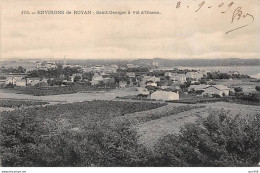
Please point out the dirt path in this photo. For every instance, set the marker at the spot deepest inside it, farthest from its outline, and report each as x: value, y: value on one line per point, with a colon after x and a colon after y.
x: 151, y: 131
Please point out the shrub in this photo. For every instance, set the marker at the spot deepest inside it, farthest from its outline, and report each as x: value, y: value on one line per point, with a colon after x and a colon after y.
x: 238, y: 89
x: 257, y: 88
x: 217, y: 141
x: 79, y: 134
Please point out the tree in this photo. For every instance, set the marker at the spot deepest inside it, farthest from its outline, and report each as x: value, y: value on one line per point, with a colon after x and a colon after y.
x: 77, y: 78
x: 238, y: 89
x: 218, y: 140
x: 21, y: 69
x: 257, y: 88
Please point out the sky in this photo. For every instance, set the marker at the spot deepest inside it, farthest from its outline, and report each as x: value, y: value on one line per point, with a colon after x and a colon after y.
x: 175, y: 33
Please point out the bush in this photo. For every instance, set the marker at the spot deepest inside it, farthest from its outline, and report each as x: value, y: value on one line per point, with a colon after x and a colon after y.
x: 238, y: 89
x: 79, y: 134
x: 257, y: 88
x: 218, y: 141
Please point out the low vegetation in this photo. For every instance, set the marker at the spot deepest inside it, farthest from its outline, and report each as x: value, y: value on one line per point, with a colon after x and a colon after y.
x: 55, y: 90
x: 82, y: 134
x: 217, y: 141
x: 11, y: 103
x: 79, y: 134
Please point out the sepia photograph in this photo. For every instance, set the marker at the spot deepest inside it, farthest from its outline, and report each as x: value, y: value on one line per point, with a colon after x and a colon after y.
x: 129, y: 83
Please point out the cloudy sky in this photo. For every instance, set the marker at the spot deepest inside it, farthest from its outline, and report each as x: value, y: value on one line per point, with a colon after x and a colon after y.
x: 174, y: 33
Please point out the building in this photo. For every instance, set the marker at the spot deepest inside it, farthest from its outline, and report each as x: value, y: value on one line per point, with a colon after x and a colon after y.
x: 233, y: 73
x: 194, y: 75
x: 179, y: 78
x: 21, y: 83
x: 165, y: 95
x: 220, y: 90
x: 12, y: 80
x: 143, y: 91
x: 122, y: 84
x: 151, y: 83
x: 130, y: 74
x: 98, y: 68
x: 33, y: 81
x: 169, y: 74
x: 197, y: 87
x: 96, y: 79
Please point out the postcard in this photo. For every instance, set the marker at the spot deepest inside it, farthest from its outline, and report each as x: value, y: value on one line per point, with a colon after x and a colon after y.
x: 128, y: 83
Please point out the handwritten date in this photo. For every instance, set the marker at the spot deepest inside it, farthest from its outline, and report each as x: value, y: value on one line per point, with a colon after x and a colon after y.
x: 237, y: 15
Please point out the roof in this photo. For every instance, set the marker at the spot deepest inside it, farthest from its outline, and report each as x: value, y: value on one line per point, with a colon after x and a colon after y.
x: 203, y: 86
x: 164, y: 93
x: 219, y: 87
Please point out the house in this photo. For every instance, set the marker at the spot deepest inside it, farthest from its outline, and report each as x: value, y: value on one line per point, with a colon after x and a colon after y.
x: 33, y: 81
x: 233, y: 73
x: 21, y: 83
x: 155, y: 63
x: 146, y: 79
x: 194, y: 75
x: 12, y: 80
x: 150, y: 78
x: 96, y: 79
x: 169, y: 74
x: 143, y: 91
x: 130, y: 74
x: 114, y: 66
x: 171, y: 87
x: 165, y: 95
x: 178, y: 78
x: 2, y: 82
x: 122, y: 84
x: 130, y: 65
x: 151, y: 83
x: 109, y: 80
x: 98, y: 68
x: 220, y: 90
x: 197, y: 87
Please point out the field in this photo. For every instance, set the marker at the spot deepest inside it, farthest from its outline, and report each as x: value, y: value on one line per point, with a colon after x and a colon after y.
x: 13, y: 103
x: 74, y: 97
x: 99, y: 133
x: 58, y: 135
x: 55, y: 90
x: 150, y: 132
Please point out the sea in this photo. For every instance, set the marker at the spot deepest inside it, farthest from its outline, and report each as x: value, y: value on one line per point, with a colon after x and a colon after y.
x: 252, y: 71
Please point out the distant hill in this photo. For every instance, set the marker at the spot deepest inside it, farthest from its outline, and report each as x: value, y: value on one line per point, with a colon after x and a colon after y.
x: 198, y: 62
x: 146, y: 62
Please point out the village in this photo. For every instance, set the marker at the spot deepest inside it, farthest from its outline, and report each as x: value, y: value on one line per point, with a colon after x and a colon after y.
x: 154, y: 83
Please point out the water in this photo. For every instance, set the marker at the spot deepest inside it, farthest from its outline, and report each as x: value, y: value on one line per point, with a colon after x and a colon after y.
x: 253, y: 71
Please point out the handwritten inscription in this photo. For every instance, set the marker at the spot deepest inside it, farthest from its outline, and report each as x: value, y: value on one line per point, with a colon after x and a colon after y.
x: 238, y: 13
x: 239, y: 18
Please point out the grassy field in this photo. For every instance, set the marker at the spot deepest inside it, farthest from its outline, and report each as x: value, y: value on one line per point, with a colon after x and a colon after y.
x: 97, y: 133
x: 151, y: 131
x: 13, y: 103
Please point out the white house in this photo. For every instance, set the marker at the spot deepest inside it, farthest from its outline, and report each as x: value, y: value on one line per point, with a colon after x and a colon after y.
x: 179, y: 78
x: 151, y: 83
x: 194, y: 75
x: 21, y: 83
x: 143, y: 91
x: 170, y: 74
x: 33, y: 81
x: 197, y: 87
x: 97, y: 78
x: 122, y: 84
x: 12, y: 80
x: 165, y: 95
x: 220, y: 90
x: 130, y: 74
